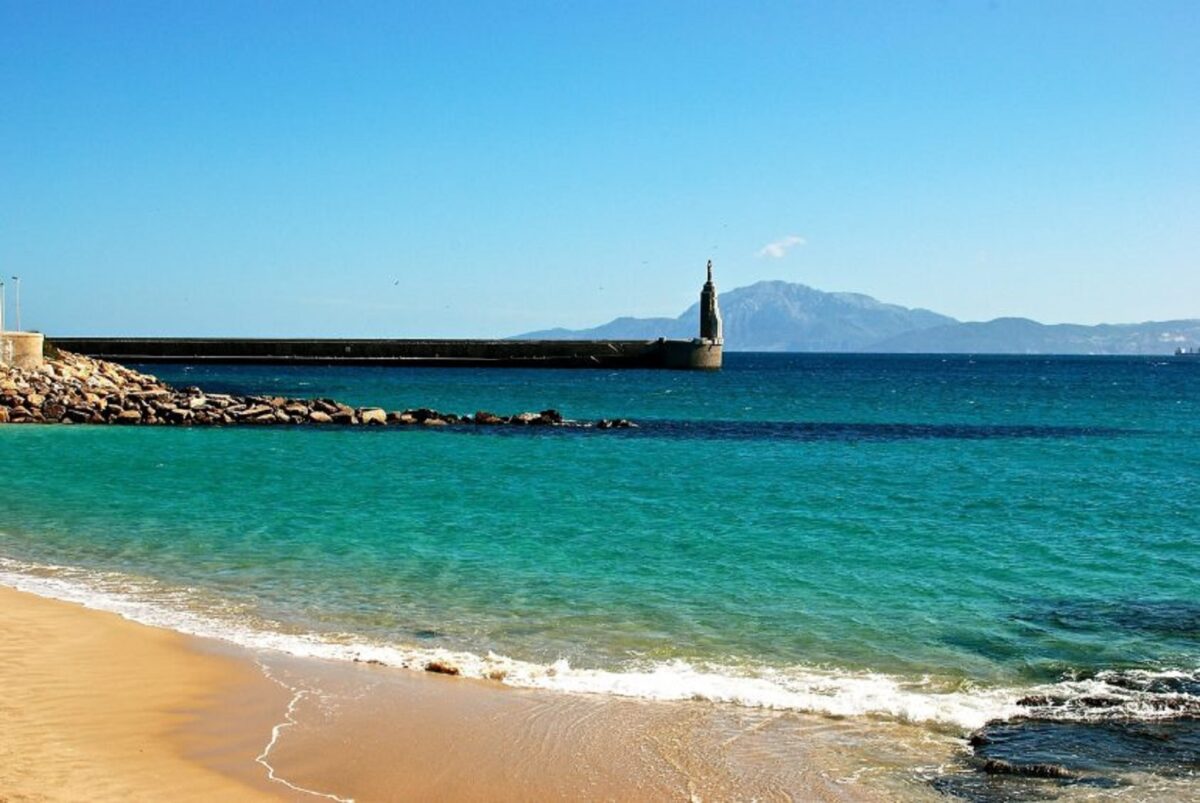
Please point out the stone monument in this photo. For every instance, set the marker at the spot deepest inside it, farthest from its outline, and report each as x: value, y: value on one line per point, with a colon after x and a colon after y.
x: 710, y: 313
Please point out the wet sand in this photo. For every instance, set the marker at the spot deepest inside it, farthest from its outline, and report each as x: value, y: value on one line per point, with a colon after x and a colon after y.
x: 99, y: 708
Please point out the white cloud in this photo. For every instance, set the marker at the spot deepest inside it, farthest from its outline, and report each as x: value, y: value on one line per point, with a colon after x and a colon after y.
x: 777, y: 249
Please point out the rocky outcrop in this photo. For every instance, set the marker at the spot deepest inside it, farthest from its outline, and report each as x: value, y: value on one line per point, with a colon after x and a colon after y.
x: 73, y: 389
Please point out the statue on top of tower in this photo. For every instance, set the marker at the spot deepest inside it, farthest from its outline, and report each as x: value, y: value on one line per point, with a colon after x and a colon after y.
x: 710, y: 313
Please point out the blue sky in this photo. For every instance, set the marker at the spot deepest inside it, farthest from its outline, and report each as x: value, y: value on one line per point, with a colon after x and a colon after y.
x: 459, y: 169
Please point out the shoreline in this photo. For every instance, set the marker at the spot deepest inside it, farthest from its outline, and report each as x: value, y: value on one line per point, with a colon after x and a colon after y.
x: 133, y: 711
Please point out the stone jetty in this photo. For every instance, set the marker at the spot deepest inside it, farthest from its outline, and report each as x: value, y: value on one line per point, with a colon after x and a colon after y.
x: 72, y: 389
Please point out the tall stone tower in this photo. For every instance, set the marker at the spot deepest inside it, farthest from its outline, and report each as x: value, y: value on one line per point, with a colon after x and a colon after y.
x: 710, y: 313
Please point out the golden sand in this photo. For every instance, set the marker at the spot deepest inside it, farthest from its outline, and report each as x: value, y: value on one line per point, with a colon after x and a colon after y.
x: 95, y: 708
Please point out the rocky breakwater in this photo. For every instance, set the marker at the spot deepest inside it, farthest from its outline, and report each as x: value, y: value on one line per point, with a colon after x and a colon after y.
x: 73, y: 389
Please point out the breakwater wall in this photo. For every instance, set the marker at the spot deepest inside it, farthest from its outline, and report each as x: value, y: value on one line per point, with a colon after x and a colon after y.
x: 673, y: 354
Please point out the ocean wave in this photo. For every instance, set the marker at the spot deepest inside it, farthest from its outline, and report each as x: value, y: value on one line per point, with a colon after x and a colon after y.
x: 1116, y: 694
x: 834, y: 693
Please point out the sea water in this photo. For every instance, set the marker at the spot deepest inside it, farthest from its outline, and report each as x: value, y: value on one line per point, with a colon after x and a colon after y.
x: 949, y: 541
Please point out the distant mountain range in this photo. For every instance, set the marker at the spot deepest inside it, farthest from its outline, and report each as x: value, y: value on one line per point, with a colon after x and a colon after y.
x: 783, y: 316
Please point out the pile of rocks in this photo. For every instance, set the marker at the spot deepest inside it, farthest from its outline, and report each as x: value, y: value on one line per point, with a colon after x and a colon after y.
x: 73, y: 389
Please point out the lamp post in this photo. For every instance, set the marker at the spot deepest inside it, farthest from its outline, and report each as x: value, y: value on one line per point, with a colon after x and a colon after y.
x: 17, y: 283
x: 1, y: 307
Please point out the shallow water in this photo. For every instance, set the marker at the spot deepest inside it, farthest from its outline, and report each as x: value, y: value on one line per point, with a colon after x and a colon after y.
x: 923, y: 538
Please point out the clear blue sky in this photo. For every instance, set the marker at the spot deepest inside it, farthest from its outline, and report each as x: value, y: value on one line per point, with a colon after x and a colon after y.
x: 276, y: 168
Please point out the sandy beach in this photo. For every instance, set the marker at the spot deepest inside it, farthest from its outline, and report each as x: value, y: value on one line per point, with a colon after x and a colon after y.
x: 100, y: 708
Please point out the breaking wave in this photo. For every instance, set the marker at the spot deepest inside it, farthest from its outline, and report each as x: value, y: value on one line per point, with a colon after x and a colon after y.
x: 939, y: 702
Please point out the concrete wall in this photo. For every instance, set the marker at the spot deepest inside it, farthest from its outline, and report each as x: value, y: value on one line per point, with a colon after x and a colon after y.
x: 509, y: 353
x: 22, y: 350
x: 694, y: 355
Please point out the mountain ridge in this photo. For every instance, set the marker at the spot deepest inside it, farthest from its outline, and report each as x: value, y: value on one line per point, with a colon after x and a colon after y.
x: 775, y: 315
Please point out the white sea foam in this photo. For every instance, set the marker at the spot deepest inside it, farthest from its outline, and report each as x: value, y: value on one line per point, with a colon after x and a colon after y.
x: 828, y: 692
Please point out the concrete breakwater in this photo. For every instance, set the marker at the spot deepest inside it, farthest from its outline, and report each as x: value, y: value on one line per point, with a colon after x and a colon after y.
x: 74, y: 389
x: 660, y: 353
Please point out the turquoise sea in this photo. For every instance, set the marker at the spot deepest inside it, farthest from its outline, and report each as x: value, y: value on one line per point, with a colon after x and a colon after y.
x: 945, y: 540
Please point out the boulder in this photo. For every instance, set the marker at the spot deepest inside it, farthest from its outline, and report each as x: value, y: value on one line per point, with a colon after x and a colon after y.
x: 255, y: 411
x: 373, y: 415
x: 128, y: 417
x: 319, y: 417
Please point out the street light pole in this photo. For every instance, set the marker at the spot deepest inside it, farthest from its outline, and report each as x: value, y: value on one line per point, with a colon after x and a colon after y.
x: 17, y: 281
x: 1, y: 307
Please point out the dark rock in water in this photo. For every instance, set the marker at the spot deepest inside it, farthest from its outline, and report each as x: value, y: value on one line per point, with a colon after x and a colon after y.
x: 327, y: 406
x: 978, y: 739
x: 484, y: 417
x: 996, y: 766
x: 423, y: 413
x: 1090, y: 740
x: 1168, y: 746
x: 1033, y: 700
x: 977, y: 787
x: 551, y: 416
x: 442, y: 668
x: 1118, y: 694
